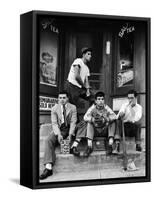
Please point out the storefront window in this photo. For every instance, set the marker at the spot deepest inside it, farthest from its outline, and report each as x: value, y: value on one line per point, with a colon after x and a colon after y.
x: 46, y: 103
x: 125, y: 73
x: 48, y: 52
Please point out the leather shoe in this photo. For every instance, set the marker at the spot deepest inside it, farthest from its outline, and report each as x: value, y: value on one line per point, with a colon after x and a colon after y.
x: 87, y: 152
x: 46, y: 173
x: 138, y: 147
x: 75, y: 151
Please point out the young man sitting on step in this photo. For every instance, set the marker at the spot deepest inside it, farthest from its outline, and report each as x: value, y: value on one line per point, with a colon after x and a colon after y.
x: 98, y: 119
x: 63, y: 120
x: 131, y: 113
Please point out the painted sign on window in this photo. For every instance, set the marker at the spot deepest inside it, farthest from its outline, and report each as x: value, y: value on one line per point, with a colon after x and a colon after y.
x: 46, y: 103
x: 125, y: 73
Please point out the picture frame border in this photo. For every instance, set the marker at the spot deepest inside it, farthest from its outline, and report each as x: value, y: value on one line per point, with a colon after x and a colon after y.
x: 29, y: 103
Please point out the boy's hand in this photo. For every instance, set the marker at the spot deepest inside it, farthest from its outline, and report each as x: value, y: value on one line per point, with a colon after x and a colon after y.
x: 88, y: 93
x: 121, y: 114
x: 60, y: 138
x: 69, y: 138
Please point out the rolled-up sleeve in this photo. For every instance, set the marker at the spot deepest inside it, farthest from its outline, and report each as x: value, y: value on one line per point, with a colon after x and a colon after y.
x: 88, y: 116
x: 111, y: 114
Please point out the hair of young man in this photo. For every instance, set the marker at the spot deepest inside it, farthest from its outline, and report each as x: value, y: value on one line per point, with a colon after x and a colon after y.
x: 64, y: 92
x: 132, y: 92
x: 99, y: 94
x: 84, y: 50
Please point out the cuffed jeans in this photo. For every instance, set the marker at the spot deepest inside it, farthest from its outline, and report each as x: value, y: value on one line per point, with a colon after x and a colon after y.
x: 109, y: 131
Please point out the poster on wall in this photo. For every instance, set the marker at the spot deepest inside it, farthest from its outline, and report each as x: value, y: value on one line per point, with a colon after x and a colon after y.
x: 48, y: 52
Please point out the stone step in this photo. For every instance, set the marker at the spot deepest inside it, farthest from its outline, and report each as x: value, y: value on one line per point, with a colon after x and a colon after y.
x: 96, y: 174
x: 98, y: 143
x: 98, y: 165
x: 97, y: 160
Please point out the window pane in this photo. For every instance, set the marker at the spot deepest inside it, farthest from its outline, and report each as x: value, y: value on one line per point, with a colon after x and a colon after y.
x: 48, y: 52
x: 125, y: 66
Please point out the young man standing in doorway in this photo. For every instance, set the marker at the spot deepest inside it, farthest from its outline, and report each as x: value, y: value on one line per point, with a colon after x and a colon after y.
x: 100, y: 121
x: 77, y: 84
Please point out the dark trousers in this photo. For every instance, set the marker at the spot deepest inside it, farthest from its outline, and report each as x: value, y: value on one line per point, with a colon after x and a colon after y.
x: 50, y: 145
x: 77, y: 96
x: 131, y: 130
x: 74, y: 93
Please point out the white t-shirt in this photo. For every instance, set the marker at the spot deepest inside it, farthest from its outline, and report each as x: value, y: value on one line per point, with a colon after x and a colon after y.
x: 84, y: 72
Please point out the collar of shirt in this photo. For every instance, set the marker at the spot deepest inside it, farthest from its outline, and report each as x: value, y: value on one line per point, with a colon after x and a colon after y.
x: 65, y: 106
x: 134, y: 105
x: 100, y: 107
x: 130, y: 106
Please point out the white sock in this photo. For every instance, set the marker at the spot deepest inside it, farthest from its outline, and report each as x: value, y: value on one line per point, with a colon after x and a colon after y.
x: 89, y: 143
x: 48, y: 166
x: 111, y: 141
x: 75, y: 143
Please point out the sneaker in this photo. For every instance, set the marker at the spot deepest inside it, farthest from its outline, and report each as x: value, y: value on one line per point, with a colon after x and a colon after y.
x: 75, y: 151
x: 46, y: 173
x: 138, y: 147
x: 87, y: 152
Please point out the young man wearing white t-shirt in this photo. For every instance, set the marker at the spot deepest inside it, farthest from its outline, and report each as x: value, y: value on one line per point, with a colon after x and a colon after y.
x: 77, y: 84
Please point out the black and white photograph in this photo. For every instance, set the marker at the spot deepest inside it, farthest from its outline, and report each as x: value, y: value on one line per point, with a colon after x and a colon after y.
x: 93, y: 94
x: 76, y: 109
